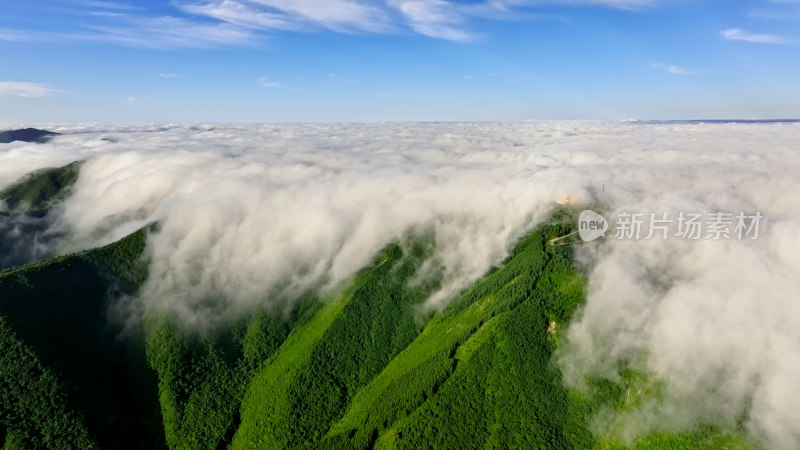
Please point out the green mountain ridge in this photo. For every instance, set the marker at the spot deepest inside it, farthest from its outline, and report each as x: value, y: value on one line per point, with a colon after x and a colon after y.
x: 434, y: 379
x: 58, y: 311
x: 40, y: 190
x: 365, y: 366
x: 25, y: 219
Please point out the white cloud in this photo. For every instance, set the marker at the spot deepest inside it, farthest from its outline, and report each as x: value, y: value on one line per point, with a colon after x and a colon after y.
x: 333, y: 78
x: 243, y: 15
x: 107, y: 14
x: 774, y: 14
x: 167, y: 75
x: 622, y: 4
x: 476, y: 77
x: 24, y: 89
x: 239, y: 22
x: 102, y: 4
x: 441, y: 19
x: 510, y: 5
x: 130, y: 100
x: 253, y: 214
x: 142, y: 31
x: 675, y: 70
x: 171, y: 32
x: 268, y: 83
x: 336, y: 15
x: 736, y: 34
x: 434, y: 18
x: 12, y: 35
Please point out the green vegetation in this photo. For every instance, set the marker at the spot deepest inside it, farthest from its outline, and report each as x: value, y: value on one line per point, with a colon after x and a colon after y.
x: 297, y: 394
x: 40, y: 190
x: 364, y: 367
x: 25, y: 234
x: 479, y: 374
x: 33, y: 402
x: 202, y: 377
x: 635, y: 389
x: 55, y: 315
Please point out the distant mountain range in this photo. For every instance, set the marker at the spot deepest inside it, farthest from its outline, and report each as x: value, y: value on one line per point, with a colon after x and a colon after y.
x: 26, y: 135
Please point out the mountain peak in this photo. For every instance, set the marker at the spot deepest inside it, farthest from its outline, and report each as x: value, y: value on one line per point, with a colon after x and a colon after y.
x: 26, y: 135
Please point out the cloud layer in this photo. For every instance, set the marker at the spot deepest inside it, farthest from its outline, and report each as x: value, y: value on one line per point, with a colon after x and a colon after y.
x: 24, y: 89
x: 674, y: 70
x: 736, y: 34
x: 256, y: 214
x: 219, y: 23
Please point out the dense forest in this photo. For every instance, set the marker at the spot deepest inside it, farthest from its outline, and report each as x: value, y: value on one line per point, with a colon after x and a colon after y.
x: 363, y: 366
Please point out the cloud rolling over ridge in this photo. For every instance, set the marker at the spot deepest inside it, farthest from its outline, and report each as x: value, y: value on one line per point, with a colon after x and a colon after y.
x: 255, y: 214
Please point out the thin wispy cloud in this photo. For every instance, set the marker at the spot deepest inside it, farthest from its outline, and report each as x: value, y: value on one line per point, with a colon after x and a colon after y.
x: 167, y: 75
x: 511, y: 5
x: 14, y: 35
x: 335, y: 15
x: 675, y: 70
x: 736, y: 34
x: 440, y: 19
x: 214, y: 23
x: 623, y: 4
x: 434, y: 18
x: 329, y: 80
x: 107, y: 14
x: 776, y: 10
x: 106, y: 5
x: 24, y: 89
x: 478, y: 76
x: 237, y: 13
x: 142, y: 31
x: 333, y: 78
x: 774, y: 15
x: 269, y: 83
x: 172, y: 32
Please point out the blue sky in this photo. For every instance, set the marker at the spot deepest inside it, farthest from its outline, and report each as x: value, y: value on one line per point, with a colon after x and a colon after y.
x: 362, y: 60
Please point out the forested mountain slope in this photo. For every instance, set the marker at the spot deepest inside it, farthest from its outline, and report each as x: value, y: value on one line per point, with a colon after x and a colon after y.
x: 363, y: 366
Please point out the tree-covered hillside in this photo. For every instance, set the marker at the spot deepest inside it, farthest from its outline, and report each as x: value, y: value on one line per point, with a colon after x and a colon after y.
x: 480, y: 372
x: 38, y: 191
x: 64, y: 353
x: 25, y: 219
x: 366, y: 366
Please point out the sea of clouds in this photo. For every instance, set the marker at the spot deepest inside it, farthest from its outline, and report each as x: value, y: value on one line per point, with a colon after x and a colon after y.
x: 257, y: 214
